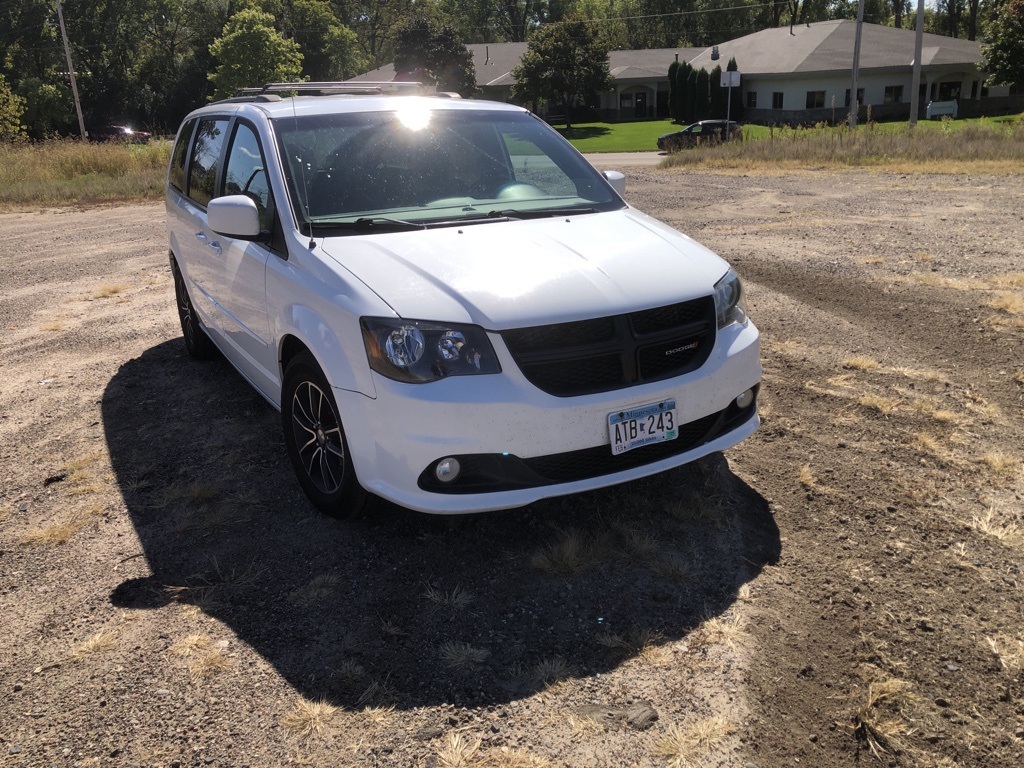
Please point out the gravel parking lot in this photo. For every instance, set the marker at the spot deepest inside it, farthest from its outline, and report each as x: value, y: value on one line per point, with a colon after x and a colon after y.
x: 844, y: 586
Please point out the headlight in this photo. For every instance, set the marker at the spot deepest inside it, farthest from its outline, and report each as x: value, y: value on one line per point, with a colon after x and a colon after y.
x: 417, y: 351
x: 730, y: 304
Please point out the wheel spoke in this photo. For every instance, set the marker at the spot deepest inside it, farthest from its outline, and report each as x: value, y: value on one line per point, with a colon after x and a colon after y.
x: 318, y: 437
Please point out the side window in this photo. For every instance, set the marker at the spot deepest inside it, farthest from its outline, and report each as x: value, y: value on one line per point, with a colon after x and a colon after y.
x: 202, y: 174
x: 245, y: 172
x: 176, y: 173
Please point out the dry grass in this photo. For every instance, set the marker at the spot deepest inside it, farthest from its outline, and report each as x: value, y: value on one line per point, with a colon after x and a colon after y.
x: 1018, y: 376
x: 309, y: 719
x: 317, y: 590
x: 109, y: 290
x: 459, y: 751
x: 689, y: 745
x: 456, y: 599
x: 568, y: 556
x: 1001, y: 463
x: 1008, y: 650
x: 880, y: 403
x: 1008, y: 303
x: 459, y: 655
x: 98, y: 643
x: 379, y: 694
x: 724, y: 630
x: 209, y: 664
x: 57, y: 533
x: 861, y: 363
x: 806, y: 477
x: 65, y: 172
x: 53, y: 325
x: 551, y: 671
x: 675, y: 568
x: 877, y: 715
x: 190, y: 646
x: 992, y: 524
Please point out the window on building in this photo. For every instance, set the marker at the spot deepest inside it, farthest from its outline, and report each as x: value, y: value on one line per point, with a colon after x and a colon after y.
x: 777, y: 100
x: 751, y: 99
x: 893, y: 94
x: 860, y: 97
x: 815, y: 99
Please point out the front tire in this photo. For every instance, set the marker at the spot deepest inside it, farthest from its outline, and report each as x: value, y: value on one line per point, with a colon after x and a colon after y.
x: 197, y: 342
x: 316, y: 441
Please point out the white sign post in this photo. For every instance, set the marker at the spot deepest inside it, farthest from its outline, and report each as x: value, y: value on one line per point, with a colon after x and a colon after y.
x: 729, y: 79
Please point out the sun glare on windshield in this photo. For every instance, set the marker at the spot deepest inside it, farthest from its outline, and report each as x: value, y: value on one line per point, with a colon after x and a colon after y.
x: 415, y: 117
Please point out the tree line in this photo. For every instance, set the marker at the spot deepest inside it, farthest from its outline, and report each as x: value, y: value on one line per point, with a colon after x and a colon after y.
x: 149, y: 62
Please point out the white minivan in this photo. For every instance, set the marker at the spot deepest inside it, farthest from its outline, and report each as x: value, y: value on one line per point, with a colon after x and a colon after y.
x: 452, y: 309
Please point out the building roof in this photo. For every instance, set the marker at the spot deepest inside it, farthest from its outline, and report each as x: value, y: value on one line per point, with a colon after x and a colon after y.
x: 494, y: 63
x: 827, y: 46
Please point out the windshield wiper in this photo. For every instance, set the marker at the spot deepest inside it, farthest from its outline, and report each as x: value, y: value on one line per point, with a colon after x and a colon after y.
x: 368, y: 224
x: 538, y: 213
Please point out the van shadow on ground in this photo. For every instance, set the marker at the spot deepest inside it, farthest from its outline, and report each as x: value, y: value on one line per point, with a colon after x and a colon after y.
x: 397, y: 607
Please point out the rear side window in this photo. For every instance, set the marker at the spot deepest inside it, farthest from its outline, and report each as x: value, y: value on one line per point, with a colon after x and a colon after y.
x: 176, y: 174
x: 206, y: 151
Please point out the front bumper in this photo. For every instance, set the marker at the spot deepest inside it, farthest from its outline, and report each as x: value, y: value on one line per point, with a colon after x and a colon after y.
x: 523, y: 445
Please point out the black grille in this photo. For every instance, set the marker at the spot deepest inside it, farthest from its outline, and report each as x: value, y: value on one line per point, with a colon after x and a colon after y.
x: 615, y: 352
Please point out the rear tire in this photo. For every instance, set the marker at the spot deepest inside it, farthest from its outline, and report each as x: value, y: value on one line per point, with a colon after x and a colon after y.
x: 197, y: 342
x: 316, y: 441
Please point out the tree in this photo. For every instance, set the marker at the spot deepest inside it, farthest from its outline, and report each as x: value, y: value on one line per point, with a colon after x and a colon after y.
x: 690, y: 113
x: 329, y: 49
x: 251, y: 52
x: 1003, y: 54
x: 719, y: 95
x: 564, y: 63
x: 683, y: 107
x: 12, y: 107
x: 432, y: 53
x: 673, y: 91
x: 702, y: 99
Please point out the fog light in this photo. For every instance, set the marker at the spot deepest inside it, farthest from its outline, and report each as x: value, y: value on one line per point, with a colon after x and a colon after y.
x: 745, y: 399
x: 447, y: 470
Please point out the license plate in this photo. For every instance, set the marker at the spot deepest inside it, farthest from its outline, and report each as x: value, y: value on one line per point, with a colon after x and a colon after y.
x: 643, y: 425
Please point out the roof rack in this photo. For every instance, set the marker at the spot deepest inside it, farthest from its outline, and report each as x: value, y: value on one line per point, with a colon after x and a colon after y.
x: 330, y: 88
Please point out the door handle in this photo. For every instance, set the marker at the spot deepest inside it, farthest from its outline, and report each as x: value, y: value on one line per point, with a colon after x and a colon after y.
x: 201, y: 236
x: 216, y: 247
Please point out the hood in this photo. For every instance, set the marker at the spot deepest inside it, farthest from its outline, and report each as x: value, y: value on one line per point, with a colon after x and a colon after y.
x: 512, y: 274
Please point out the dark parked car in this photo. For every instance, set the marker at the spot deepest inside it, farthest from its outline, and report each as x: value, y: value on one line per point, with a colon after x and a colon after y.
x: 122, y: 133
x: 704, y: 132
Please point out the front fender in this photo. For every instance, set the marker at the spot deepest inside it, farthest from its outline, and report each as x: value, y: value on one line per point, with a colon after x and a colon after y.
x: 335, y: 352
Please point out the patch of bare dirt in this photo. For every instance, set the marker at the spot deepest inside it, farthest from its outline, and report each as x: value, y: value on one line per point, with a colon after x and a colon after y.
x: 843, y: 587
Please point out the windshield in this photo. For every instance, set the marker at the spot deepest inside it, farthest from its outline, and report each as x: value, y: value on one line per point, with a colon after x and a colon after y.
x: 433, y: 166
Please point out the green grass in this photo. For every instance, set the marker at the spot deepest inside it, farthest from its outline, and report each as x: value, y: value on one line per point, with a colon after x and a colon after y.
x: 982, y: 145
x: 643, y: 136
x: 617, y: 137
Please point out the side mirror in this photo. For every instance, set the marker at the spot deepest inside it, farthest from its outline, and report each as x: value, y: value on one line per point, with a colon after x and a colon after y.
x: 617, y: 180
x: 234, y: 216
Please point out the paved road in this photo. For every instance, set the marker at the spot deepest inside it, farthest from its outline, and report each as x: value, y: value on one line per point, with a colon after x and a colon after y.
x: 617, y: 160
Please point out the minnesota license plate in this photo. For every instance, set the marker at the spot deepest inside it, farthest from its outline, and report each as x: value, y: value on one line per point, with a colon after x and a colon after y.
x: 643, y: 425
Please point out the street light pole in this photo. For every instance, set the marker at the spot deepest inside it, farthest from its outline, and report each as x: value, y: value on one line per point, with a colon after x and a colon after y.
x: 71, y: 70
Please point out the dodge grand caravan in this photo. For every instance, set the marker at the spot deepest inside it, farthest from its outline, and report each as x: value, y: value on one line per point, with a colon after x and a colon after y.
x: 450, y: 307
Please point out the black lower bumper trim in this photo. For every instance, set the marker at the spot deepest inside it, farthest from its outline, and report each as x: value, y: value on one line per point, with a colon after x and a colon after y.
x: 492, y: 472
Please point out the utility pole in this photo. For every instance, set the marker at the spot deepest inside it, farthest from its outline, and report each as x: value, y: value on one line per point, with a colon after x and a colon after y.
x: 915, y: 81
x: 854, y: 104
x: 71, y: 70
